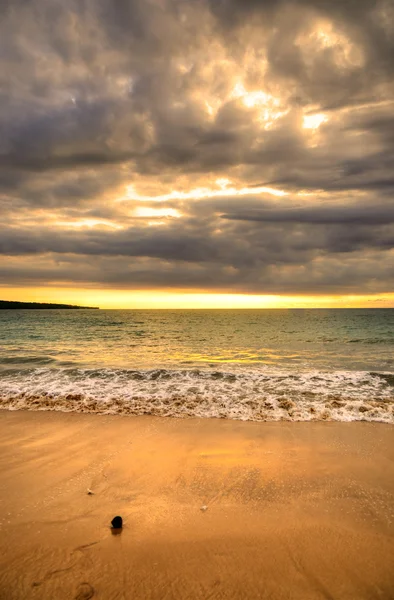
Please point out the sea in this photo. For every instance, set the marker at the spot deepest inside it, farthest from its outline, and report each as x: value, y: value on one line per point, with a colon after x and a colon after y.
x: 252, y: 365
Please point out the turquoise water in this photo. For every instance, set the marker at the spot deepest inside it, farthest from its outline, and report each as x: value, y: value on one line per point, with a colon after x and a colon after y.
x: 229, y: 363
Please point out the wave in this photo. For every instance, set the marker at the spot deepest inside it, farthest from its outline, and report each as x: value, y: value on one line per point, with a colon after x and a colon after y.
x: 265, y: 394
x: 387, y: 377
x: 25, y: 360
x: 371, y: 341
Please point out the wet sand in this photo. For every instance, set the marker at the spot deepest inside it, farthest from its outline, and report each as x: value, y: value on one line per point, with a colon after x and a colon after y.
x: 294, y: 510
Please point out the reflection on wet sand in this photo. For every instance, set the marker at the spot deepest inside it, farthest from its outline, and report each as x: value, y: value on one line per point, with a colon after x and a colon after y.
x: 210, y: 509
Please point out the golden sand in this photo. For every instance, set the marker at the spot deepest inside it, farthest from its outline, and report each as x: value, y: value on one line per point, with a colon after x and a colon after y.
x: 212, y: 509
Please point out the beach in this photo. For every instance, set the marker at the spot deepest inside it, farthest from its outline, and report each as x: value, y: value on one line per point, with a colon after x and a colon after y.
x: 211, y: 508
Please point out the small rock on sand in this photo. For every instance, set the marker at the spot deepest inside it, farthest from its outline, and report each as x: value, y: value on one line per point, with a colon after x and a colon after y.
x: 117, y: 522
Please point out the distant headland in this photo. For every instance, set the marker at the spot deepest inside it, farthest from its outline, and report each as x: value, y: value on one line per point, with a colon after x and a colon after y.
x: 5, y: 304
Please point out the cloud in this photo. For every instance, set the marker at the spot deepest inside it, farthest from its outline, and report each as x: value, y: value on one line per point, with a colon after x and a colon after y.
x: 173, y: 96
x: 326, y: 215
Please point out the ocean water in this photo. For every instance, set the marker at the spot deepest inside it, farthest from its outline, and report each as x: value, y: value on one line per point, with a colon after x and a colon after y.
x: 256, y: 365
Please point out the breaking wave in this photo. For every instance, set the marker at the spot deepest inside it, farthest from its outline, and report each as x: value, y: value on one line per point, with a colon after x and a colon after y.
x: 264, y: 394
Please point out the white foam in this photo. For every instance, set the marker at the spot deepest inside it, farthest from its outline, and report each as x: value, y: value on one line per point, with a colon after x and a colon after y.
x: 263, y: 394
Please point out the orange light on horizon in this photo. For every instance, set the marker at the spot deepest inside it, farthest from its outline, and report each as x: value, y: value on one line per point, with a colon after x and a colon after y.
x: 158, y: 299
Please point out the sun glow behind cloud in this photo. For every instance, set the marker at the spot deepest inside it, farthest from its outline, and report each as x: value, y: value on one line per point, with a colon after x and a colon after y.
x: 269, y: 107
x: 225, y: 188
x: 314, y: 121
x: 85, y: 223
x: 142, y: 211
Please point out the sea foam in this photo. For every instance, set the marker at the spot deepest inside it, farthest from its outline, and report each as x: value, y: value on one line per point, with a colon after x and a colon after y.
x: 260, y: 394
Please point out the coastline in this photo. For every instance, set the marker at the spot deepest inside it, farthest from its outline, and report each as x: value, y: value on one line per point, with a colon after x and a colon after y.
x: 293, y: 509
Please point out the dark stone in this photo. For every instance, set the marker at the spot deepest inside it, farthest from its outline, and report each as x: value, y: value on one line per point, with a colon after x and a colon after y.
x: 117, y: 522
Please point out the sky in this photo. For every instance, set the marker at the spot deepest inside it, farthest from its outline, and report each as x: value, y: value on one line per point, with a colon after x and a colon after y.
x: 197, y: 153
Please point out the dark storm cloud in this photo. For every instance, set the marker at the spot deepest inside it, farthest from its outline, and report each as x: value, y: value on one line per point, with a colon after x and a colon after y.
x: 329, y: 276
x: 169, y: 95
x: 369, y: 22
x: 348, y: 215
x: 217, y: 250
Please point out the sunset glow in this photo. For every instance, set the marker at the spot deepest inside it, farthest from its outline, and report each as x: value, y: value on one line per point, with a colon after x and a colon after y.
x: 314, y: 121
x: 157, y: 299
x: 223, y: 154
x: 225, y: 190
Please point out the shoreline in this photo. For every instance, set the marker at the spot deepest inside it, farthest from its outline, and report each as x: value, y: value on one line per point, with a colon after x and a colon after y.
x: 293, y: 509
